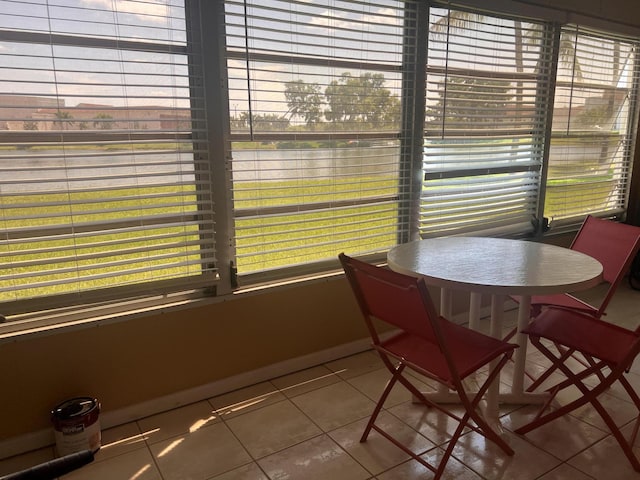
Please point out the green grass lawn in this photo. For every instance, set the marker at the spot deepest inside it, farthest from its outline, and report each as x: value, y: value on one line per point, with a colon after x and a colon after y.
x: 63, y: 262
x: 295, y: 233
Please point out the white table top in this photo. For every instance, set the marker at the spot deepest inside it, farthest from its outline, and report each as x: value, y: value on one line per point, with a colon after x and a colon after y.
x: 496, y: 265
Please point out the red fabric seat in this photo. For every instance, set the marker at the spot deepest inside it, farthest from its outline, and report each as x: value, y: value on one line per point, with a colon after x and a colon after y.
x: 597, y: 338
x: 427, y: 344
x: 469, y: 351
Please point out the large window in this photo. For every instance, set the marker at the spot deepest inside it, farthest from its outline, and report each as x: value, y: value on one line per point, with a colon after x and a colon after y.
x: 156, y: 148
x: 103, y: 192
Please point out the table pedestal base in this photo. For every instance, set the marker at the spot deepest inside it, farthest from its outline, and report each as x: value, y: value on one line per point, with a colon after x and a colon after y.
x: 493, y: 398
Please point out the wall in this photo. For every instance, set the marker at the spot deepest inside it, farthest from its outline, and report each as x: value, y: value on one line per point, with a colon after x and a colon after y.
x: 134, y: 362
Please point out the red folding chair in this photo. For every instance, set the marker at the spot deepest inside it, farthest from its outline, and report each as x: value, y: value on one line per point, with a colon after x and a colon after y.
x: 427, y: 344
x: 610, y: 351
x: 614, y: 245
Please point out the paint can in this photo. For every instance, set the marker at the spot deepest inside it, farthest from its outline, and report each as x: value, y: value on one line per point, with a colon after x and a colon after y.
x: 76, y: 425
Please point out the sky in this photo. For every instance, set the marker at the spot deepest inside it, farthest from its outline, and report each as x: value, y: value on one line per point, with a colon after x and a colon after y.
x: 317, y: 30
x: 95, y: 75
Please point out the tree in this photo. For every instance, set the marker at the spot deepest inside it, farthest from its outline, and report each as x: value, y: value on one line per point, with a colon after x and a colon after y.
x: 459, y: 21
x: 239, y: 122
x: 362, y: 99
x: 304, y: 100
x: 62, y: 119
x: 378, y: 106
x: 471, y: 101
x: 103, y: 121
x: 532, y: 37
x: 269, y: 122
x: 597, y: 117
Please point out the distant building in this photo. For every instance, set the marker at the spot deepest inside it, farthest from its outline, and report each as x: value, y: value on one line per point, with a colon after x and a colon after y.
x: 21, y: 112
x: 18, y: 109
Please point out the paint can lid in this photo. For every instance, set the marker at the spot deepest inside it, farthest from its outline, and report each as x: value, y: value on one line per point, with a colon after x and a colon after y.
x: 74, y: 407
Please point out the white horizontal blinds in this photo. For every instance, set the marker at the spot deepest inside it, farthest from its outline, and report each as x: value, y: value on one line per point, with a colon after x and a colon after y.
x: 101, y: 185
x: 314, y: 100
x: 594, y: 112
x: 484, y: 128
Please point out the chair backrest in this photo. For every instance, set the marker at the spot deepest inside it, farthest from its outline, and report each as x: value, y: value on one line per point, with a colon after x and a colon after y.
x: 613, y: 244
x: 394, y: 298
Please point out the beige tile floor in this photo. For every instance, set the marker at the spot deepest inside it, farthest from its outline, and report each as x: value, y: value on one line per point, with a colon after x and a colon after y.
x: 307, y: 426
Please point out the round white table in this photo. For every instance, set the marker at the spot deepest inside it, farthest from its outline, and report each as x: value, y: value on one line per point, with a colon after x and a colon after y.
x: 498, y: 267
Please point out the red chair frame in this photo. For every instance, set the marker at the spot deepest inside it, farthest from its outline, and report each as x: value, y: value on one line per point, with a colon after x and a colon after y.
x: 427, y: 344
x: 609, y: 351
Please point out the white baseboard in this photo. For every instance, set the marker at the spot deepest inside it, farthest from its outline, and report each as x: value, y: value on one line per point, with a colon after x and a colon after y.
x: 45, y: 437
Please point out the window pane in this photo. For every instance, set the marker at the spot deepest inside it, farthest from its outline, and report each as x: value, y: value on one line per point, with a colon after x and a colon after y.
x: 101, y: 185
x: 314, y: 97
x: 590, y: 157
x: 484, y: 127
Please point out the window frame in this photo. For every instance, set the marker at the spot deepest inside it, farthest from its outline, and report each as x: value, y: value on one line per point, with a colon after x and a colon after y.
x: 205, y: 24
